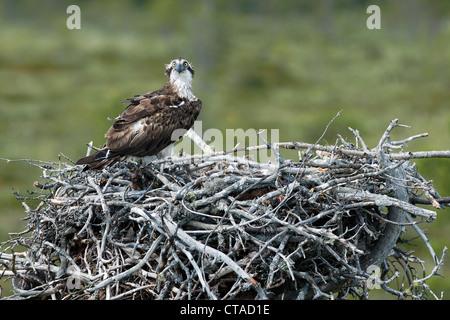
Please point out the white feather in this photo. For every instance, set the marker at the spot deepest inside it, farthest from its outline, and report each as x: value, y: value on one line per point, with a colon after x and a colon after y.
x: 167, y: 152
x: 138, y: 126
x: 177, y: 106
x: 182, y: 83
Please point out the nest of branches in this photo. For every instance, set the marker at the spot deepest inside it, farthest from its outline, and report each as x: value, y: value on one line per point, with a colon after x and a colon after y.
x: 217, y: 226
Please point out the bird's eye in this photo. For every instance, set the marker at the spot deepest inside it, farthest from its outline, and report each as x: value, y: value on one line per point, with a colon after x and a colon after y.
x: 173, y: 64
x: 185, y: 64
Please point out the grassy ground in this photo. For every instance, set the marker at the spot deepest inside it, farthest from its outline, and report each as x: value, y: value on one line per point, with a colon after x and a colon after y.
x: 286, y: 65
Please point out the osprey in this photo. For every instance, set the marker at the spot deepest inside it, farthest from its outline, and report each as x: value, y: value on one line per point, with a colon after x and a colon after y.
x: 152, y: 122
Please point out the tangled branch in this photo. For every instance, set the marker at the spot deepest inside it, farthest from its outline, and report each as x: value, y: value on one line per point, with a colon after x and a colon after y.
x: 217, y: 226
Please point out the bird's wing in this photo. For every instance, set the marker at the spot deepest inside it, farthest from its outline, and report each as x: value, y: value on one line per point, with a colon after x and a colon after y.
x: 137, y: 98
x: 149, y: 125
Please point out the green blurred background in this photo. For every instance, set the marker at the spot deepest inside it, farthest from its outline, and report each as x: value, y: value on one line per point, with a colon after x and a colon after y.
x: 289, y: 65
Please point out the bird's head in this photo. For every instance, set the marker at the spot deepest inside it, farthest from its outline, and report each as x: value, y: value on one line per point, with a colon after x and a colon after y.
x: 180, y: 73
x: 179, y: 68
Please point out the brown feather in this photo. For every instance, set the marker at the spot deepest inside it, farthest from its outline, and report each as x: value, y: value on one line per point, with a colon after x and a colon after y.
x: 151, y: 121
x: 147, y: 126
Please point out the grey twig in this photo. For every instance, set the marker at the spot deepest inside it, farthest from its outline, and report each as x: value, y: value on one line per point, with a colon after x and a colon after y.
x: 220, y: 226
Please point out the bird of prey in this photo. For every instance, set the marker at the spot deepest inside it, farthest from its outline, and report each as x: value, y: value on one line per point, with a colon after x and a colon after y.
x: 152, y: 122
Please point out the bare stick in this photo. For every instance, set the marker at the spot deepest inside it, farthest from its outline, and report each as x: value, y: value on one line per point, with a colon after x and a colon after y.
x: 130, y: 271
x: 190, y: 242
x: 214, y: 225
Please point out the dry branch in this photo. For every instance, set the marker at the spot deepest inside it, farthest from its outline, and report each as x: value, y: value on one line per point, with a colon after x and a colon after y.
x: 216, y: 226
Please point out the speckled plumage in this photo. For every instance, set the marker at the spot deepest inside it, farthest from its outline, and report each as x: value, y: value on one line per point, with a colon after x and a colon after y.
x: 152, y: 121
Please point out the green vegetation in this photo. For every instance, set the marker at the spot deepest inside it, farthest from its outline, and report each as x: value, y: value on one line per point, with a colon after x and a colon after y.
x: 290, y: 65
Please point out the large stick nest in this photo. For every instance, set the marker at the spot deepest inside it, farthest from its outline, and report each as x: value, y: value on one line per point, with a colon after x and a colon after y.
x: 218, y: 226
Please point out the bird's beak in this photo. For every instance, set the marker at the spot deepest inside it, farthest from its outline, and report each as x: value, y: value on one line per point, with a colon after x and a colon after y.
x: 179, y: 67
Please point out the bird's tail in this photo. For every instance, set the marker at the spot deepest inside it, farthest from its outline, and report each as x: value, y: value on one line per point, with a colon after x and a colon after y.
x: 100, y: 159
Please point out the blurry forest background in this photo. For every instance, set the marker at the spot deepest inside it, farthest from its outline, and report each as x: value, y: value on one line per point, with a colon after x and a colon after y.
x: 289, y: 65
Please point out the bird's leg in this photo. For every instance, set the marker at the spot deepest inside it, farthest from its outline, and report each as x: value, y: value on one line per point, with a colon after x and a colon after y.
x: 145, y: 161
x: 167, y: 152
